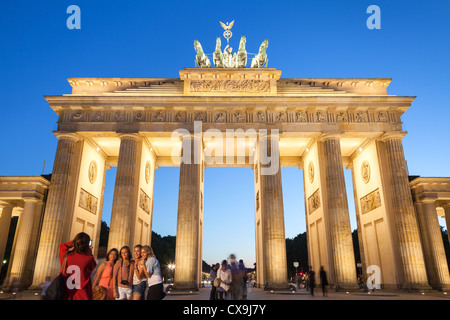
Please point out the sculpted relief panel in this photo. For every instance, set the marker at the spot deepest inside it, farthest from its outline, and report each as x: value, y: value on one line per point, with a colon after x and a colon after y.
x: 371, y: 201
x: 285, y: 115
x: 245, y: 86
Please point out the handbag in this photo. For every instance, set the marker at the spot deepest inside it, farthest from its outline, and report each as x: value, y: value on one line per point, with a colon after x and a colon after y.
x: 99, y: 293
x: 216, y: 282
x: 57, y: 289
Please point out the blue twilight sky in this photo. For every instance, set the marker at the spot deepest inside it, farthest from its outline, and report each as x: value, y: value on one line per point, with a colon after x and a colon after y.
x: 155, y: 39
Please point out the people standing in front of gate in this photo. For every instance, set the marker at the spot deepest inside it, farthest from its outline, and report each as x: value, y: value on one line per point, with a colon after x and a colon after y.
x: 104, y: 274
x: 245, y: 279
x: 123, y: 275
x: 236, y: 279
x: 139, y: 279
x: 312, y: 280
x: 152, y: 272
x: 224, y: 275
x: 213, y: 274
x: 323, y: 281
x: 77, y: 261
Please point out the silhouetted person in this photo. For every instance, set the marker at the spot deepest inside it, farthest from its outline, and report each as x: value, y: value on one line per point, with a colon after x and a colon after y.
x: 312, y: 280
x: 323, y: 281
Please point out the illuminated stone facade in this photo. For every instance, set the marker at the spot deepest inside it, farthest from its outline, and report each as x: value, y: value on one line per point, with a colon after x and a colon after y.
x: 317, y: 125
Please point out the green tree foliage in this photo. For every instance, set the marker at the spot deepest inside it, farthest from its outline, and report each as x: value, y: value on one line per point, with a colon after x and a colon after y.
x: 297, y: 251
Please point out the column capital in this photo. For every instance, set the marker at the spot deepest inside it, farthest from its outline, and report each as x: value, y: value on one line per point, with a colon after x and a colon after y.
x: 425, y: 200
x: 135, y: 136
x: 445, y: 206
x: 31, y: 199
x: 329, y: 136
x: 4, y: 205
x: 268, y: 134
x: 67, y: 135
x: 393, y: 135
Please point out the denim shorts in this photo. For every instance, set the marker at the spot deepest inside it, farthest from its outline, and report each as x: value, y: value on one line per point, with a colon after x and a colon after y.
x: 140, y: 288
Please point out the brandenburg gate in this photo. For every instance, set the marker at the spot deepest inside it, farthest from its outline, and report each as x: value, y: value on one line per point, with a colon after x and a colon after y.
x: 245, y: 117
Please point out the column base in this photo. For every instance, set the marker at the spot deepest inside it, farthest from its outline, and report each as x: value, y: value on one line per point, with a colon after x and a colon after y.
x: 276, y: 286
x: 417, y: 287
x: 184, y: 287
x: 347, y: 287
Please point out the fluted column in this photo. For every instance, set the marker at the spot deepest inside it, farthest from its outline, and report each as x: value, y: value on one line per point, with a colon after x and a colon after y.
x: 433, y: 247
x: 5, y: 222
x: 123, y: 212
x: 405, y: 219
x: 189, y: 207
x: 23, y: 237
x: 337, y: 214
x: 57, y: 206
x: 446, y: 208
x: 272, y: 212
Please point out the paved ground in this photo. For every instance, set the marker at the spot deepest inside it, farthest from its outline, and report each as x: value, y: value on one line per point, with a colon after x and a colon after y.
x: 258, y: 294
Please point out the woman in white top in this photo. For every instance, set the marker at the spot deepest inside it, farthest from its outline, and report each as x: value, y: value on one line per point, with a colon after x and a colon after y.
x: 139, y: 279
x: 224, y: 276
x: 152, y: 271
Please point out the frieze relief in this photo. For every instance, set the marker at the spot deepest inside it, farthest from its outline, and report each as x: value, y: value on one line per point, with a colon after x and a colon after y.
x: 314, y: 202
x: 244, y: 86
x: 88, y: 201
x: 230, y: 116
x: 371, y: 201
x: 144, y: 201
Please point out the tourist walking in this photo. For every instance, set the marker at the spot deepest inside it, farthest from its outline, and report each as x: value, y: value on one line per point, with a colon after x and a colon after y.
x: 244, y: 278
x: 78, y: 263
x: 123, y: 275
x: 152, y: 272
x: 224, y: 276
x: 312, y: 280
x: 323, y: 281
x: 139, y: 279
x: 236, y: 279
x: 213, y: 274
x: 104, y: 274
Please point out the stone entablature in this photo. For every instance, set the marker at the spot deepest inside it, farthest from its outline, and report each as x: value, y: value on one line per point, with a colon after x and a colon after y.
x: 15, y: 189
x: 434, y: 189
x: 227, y: 114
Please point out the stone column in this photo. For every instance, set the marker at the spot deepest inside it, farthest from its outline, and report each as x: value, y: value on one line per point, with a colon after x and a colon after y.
x: 272, y: 212
x: 21, y: 250
x: 5, y: 222
x: 337, y: 215
x: 446, y: 208
x: 123, y: 212
x: 433, y: 247
x: 57, y: 206
x: 189, y: 208
x: 405, y: 219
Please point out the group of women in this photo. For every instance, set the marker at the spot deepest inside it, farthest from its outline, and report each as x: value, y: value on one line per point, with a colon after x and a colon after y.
x: 120, y: 277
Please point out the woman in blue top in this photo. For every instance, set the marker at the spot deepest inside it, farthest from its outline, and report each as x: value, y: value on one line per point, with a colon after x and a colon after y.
x: 152, y: 271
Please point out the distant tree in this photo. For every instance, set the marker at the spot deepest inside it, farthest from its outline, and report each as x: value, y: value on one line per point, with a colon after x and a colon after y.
x: 104, y: 234
x: 297, y: 251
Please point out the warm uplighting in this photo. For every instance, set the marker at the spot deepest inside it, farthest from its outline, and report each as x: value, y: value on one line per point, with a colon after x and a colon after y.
x: 360, y: 149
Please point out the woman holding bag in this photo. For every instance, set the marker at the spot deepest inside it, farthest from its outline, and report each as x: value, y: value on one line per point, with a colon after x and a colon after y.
x: 105, y: 275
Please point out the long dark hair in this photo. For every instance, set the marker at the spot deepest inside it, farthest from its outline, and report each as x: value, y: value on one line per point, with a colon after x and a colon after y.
x: 129, y: 252
x: 113, y: 249
x: 80, y: 244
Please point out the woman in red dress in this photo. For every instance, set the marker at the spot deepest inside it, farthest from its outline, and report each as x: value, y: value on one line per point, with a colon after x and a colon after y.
x: 78, y: 268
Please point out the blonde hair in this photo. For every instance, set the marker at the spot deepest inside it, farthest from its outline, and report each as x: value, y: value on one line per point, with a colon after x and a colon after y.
x: 149, y: 251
